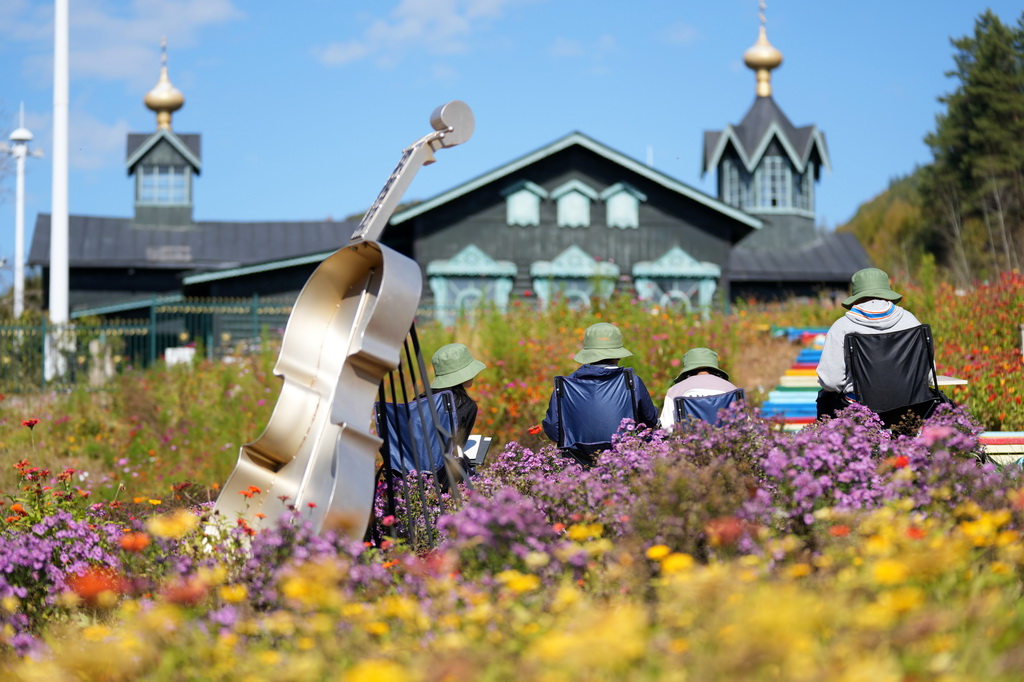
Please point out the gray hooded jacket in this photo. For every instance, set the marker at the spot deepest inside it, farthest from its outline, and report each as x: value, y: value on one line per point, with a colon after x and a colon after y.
x: 873, y: 316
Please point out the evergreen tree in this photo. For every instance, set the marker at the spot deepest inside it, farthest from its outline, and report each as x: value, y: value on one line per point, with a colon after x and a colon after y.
x: 974, y: 191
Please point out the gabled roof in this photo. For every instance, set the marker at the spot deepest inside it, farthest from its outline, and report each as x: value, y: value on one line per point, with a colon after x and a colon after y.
x: 100, y: 242
x: 763, y: 123
x: 832, y: 257
x: 577, y: 138
x: 187, y: 145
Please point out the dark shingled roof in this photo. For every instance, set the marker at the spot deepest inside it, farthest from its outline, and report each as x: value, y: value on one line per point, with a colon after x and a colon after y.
x: 100, y: 242
x: 832, y: 257
x: 751, y: 131
x: 190, y: 140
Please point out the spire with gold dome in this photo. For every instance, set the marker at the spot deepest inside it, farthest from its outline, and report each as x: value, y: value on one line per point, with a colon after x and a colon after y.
x: 762, y: 57
x: 767, y: 166
x: 164, y: 162
x: 164, y: 98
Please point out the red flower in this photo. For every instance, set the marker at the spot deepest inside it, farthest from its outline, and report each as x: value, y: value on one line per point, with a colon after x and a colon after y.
x: 186, y: 593
x: 915, y: 533
x: 724, y: 532
x: 534, y: 430
x: 30, y: 423
x: 900, y: 462
x: 839, y: 531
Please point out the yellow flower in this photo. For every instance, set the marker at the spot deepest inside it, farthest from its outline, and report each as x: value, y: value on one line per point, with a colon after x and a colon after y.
x: 377, y: 628
x: 519, y: 582
x: 798, y: 570
x: 175, y: 525
x: 658, y: 552
x: 585, y: 531
x: 268, y: 657
x: 233, y: 594
x: 10, y: 604
x: 95, y: 633
x: 891, y: 571
x: 677, y: 562
x: 376, y: 670
x: 154, y: 502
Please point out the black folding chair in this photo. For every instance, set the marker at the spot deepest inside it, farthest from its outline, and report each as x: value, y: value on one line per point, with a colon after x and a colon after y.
x: 411, y: 440
x: 706, y: 407
x: 590, y: 411
x: 893, y: 373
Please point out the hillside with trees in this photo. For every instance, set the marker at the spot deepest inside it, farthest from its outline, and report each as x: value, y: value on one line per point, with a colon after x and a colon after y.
x: 966, y: 208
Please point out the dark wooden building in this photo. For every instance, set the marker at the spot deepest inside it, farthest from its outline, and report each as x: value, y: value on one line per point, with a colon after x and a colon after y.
x: 574, y: 219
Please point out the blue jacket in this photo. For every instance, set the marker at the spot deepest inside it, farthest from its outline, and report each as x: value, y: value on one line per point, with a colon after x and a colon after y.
x: 603, y: 412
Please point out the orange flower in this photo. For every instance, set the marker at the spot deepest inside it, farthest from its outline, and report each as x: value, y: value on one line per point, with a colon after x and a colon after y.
x: 97, y: 585
x: 839, y: 531
x: 134, y: 542
x: 915, y: 533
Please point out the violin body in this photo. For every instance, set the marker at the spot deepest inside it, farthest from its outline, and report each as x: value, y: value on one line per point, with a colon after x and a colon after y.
x: 344, y: 335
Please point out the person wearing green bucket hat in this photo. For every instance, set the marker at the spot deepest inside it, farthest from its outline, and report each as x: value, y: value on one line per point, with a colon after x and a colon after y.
x: 700, y: 376
x: 871, y: 308
x: 454, y: 370
x: 596, y: 397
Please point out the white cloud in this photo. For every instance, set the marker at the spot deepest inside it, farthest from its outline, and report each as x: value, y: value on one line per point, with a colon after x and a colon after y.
x: 564, y: 47
x: 680, y: 34
x: 94, y: 144
x: 109, y: 39
x: 437, y: 27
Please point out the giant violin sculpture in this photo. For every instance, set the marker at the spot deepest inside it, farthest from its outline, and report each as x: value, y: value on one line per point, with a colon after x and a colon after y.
x: 317, y: 453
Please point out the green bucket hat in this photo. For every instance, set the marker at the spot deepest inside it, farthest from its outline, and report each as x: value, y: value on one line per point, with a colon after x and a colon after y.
x: 871, y: 283
x: 697, y: 359
x: 453, y: 365
x: 601, y: 341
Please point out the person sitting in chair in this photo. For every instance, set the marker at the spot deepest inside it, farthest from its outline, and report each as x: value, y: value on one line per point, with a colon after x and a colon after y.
x: 871, y: 309
x: 590, y: 414
x: 454, y: 370
x: 700, y: 376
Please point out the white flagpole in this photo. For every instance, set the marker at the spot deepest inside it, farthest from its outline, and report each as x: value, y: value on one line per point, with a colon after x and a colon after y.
x: 59, y: 207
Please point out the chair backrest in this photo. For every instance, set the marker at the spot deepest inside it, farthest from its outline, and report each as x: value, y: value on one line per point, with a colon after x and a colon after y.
x: 411, y: 440
x: 591, y: 409
x: 706, y: 407
x: 893, y: 370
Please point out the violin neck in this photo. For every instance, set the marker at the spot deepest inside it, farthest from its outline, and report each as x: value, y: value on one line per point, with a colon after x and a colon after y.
x: 453, y: 124
x: 376, y: 219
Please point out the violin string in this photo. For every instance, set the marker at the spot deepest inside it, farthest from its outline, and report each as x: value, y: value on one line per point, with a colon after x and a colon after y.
x: 420, y: 487
x: 384, y: 430
x: 402, y: 408
x: 453, y: 468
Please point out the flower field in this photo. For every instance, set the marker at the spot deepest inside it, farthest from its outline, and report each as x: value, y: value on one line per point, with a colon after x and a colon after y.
x: 839, y: 552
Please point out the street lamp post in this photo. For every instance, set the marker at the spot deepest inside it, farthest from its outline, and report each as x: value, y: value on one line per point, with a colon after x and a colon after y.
x: 20, y: 151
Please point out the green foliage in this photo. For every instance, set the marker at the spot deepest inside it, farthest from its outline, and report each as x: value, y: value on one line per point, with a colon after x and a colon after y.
x: 973, y: 190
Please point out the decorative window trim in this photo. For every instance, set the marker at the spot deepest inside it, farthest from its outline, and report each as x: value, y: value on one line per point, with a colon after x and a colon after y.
x: 622, y: 202
x: 522, y: 203
x: 677, y: 277
x: 575, y: 274
x: 451, y: 282
x: 573, y: 201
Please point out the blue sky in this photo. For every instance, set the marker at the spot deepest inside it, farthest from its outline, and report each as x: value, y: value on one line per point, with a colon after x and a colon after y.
x: 305, y: 106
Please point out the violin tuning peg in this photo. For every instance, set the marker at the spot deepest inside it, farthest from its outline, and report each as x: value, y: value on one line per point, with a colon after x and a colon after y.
x: 455, y: 120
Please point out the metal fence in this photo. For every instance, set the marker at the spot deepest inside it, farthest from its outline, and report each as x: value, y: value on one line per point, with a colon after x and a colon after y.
x: 45, y: 356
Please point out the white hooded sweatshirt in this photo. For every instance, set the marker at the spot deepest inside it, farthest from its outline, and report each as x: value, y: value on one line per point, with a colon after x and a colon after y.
x: 873, y: 316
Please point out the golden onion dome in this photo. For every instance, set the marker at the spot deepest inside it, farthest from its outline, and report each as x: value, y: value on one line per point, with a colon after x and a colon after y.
x: 164, y: 98
x: 762, y: 57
